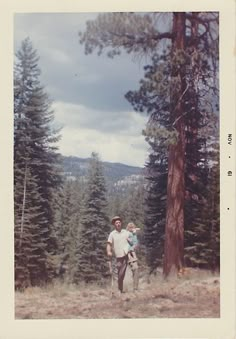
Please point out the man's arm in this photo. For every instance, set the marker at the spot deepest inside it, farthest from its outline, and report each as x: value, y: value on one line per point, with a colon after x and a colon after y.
x: 109, y: 249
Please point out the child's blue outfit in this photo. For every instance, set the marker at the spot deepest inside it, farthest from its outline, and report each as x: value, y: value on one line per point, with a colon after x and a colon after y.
x: 132, y: 258
x: 133, y: 242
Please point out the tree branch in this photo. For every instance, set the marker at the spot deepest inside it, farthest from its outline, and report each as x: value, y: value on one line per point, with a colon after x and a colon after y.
x: 141, y: 39
x: 199, y: 19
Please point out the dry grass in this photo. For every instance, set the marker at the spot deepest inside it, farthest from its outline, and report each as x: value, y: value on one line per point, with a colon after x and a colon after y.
x: 196, y: 294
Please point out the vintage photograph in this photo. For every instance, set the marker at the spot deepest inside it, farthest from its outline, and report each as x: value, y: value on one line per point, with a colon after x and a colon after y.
x: 116, y: 165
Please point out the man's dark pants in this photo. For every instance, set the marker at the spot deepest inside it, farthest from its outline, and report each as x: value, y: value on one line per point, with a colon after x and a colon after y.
x: 122, y: 263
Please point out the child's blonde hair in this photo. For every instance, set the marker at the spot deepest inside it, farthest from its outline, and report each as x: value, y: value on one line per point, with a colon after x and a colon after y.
x: 130, y: 224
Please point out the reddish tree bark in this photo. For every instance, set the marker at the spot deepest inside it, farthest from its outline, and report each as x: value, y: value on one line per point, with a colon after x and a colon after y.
x: 174, y: 233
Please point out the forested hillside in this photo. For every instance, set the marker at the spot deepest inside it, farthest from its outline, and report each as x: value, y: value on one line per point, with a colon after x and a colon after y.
x: 75, y: 166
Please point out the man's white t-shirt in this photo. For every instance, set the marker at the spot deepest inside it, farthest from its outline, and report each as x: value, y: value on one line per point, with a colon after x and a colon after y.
x: 119, y: 242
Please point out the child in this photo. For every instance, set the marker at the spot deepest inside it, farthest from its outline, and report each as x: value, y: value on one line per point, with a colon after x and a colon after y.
x: 133, y: 241
x: 132, y: 258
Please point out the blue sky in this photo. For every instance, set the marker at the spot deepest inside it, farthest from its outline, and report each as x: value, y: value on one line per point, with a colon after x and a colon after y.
x: 87, y: 90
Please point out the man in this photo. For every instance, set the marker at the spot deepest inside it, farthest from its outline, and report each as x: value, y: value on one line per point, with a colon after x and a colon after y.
x: 118, y: 242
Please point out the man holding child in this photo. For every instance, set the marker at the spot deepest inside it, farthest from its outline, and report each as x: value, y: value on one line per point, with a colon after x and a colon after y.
x: 122, y: 242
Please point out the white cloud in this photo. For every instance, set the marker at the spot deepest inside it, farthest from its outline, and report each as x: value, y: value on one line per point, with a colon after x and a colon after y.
x: 88, y: 91
x: 80, y: 116
x: 113, y: 148
x: 116, y: 138
x: 58, y: 56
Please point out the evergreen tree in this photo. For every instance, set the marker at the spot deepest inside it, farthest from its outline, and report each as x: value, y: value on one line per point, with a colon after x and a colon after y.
x: 142, y: 34
x: 159, y: 134
x: 115, y: 204
x: 95, y: 227
x: 202, y: 240
x: 152, y: 97
x: 155, y: 195
x: 132, y: 205
x: 27, y: 210
x: 66, y: 227
x: 213, y: 219
x: 36, y: 167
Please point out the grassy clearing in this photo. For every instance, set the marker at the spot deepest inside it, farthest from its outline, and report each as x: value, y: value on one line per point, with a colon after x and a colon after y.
x: 194, y: 295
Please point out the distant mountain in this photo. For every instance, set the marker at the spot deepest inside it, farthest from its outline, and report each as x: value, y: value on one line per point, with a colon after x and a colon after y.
x: 114, y: 172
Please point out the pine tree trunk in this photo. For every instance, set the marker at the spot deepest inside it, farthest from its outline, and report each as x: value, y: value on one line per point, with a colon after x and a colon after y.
x: 174, y: 229
x: 23, y: 206
x: 193, y: 123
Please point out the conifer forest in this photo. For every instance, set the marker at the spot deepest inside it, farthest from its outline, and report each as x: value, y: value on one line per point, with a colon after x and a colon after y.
x: 62, y: 222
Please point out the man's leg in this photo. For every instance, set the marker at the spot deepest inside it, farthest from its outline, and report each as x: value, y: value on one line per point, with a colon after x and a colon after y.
x: 121, y: 267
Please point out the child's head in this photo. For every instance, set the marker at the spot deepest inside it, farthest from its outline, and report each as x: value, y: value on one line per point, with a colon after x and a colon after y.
x: 131, y: 227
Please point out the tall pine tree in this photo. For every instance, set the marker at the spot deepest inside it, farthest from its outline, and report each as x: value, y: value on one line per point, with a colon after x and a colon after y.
x: 95, y: 227
x: 36, y: 169
x: 142, y: 34
x: 160, y: 133
x: 67, y: 223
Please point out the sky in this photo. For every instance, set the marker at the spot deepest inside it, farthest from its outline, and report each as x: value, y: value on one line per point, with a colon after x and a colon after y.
x: 87, y: 90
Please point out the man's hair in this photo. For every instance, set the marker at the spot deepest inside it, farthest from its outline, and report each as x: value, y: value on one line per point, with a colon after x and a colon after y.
x: 114, y: 219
